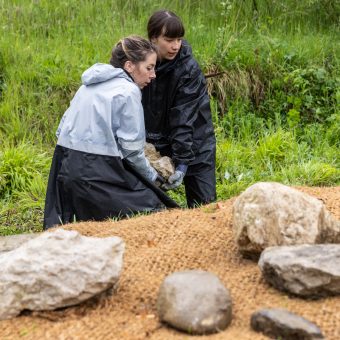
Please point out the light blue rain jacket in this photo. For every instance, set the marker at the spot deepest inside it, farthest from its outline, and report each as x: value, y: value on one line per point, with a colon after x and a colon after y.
x: 106, y: 117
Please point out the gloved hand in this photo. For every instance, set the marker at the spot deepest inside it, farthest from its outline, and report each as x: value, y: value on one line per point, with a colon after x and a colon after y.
x: 159, y: 181
x: 176, y: 179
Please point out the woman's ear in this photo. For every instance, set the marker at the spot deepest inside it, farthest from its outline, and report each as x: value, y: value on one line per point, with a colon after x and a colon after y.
x: 129, y: 66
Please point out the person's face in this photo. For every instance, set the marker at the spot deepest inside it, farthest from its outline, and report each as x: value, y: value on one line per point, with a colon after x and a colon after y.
x: 144, y: 71
x: 167, y: 47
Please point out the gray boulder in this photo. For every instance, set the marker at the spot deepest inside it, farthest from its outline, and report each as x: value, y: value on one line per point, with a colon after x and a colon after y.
x: 309, y: 271
x: 194, y: 301
x: 282, y: 324
x: 57, y: 269
x: 272, y: 214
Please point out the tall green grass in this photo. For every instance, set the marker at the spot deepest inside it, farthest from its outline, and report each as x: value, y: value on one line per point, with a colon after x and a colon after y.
x: 275, y: 100
x: 23, y: 177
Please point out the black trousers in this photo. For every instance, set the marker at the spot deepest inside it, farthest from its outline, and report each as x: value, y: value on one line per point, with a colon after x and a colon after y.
x: 200, y: 179
x: 200, y: 183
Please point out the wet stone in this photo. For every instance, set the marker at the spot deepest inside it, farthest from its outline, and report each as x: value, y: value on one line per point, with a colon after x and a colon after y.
x: 282, y: 324
x: 308, y: 271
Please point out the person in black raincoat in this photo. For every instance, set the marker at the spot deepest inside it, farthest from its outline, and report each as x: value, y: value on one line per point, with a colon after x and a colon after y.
x: 99, y: 169
x: 177, y: 111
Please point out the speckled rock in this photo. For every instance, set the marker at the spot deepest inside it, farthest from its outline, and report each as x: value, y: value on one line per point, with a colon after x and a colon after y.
x: 162, y: 164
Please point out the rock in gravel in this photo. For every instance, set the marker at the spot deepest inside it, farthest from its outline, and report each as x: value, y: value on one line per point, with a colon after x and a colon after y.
x: 271, y: 214
x: 57, y: 269
x: 194, y: 301
x: 282, y: 324
x: 309, y: 271
x: 163, y: 165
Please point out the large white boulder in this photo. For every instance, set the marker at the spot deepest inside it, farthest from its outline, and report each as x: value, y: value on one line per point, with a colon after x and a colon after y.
x: 11, y: 242
x: 272, y: 214
x: 57, y: 269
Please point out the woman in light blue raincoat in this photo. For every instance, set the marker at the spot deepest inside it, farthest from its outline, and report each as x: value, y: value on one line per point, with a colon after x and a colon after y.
x: 99, y: 169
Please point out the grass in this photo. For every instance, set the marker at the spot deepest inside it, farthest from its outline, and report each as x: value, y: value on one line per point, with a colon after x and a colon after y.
x: 275, y: 104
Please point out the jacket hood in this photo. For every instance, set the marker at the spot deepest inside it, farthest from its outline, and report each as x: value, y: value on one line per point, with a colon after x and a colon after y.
x: 184, y: 53
x: 98, y: 73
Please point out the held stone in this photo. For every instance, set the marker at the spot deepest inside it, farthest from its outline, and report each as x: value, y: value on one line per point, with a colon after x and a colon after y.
x: 57, y: 269
x: 163, y: 165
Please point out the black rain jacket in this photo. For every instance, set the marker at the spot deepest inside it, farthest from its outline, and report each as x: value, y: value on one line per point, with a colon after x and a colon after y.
x: 177, y: 111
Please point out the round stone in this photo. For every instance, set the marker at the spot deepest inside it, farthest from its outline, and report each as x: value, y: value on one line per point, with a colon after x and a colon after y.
x: 194, y: 301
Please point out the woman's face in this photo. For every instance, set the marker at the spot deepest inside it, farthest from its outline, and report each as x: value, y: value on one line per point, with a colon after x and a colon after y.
x: 167, y: 47
x: 144, y: 71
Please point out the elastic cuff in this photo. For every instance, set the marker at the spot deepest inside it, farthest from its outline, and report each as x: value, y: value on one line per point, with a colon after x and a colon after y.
x: 182, y: 167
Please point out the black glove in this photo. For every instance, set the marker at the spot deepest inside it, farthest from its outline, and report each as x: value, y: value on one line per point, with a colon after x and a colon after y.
x: 176, y: 179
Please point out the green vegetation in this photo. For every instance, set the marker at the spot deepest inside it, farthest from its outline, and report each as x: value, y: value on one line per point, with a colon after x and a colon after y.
x: 275, y: 99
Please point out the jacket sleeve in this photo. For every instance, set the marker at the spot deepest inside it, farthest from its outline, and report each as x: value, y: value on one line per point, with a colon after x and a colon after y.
x: 60, y: 126
x: 131, y: 137
x: 183, y: 115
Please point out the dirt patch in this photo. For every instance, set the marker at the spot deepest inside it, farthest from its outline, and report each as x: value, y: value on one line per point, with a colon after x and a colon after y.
x: 158, y: 245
